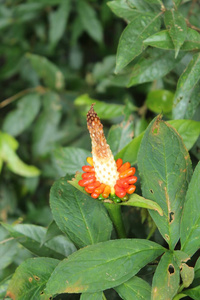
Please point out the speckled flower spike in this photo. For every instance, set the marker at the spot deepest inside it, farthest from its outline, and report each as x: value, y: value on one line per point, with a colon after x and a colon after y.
x: 104, y: 177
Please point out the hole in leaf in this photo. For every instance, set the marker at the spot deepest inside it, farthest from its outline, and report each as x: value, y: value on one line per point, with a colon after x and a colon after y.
x: 171, y: 269
x: 171, y: 217
x: 36, y: 277
x: 41, y: 293
x: 151, y: 191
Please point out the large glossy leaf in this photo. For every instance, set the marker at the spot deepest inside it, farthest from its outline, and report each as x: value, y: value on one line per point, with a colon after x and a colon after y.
x: 135, y: 288
x: 20, y: 119
x: 47, y: 71
x: 82, y: 218
x: 155, y: 64
x: 166, y: 278
x: 165, y: 170
x: 185, y: 86
x: 190, y: 223
x: 30, y: 278
x: 131, y: 41
x: 32, y: 236
x: 123, y: 10
x: 102, y: 266
x: 177, y: 28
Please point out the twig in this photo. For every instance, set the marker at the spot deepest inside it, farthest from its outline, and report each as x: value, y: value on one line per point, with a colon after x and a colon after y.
x: 7, y: 240
x: 192, y: 26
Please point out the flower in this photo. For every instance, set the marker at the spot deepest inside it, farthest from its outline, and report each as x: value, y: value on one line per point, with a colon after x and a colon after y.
x: 105, y: 177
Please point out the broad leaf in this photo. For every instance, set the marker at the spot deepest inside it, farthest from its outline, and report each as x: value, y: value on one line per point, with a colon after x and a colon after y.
x: 46, y: 70
x: 160, y: 101
x: 190, y: 223
x: 69, y: 160
x: 134, y: 288
x: 165, y: 170
x: 102, y: 266
x: 155, y: 64
x: 177, y: 28
x: 8, y: 249
x: 30, y: 278
x: 92, y: 296
x: 32, y: 236
x: 185, y: 86
x: 193, y: 293
x: 131, y: 41
x: 51, y: 232
x: 166, y: 278
x: 82, y: 218
x: 21, y: 118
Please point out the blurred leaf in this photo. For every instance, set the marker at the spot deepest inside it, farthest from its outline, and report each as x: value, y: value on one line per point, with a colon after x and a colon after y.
x: 190, y: 223
x: 131, y: 41
x: 155, y: 64
x: 188, y: 129
x: 8, y: 249
x: 163, y: 40
x: 30, y: 278
x: 185, y: 86
x: 51, y: 232
x: 14, y: 163
x: 193, y: 293
x: 193, y: 104
x: 177, y: 28
x: 32, y: 236
x: 47, y: 71
x: 89, y: 21
x: 103, y: 109
x: 8, y: 200
x: 120, y: 135
x: 165, y: 170
x: 160, y: 101
x: 93, y: 296
x: 144, y: 5
x: 69, y: 160
x: 4, y: 286
x: 82, y: 218
x: 134, y: 288
x: 197, y: 268
x: 187, y: 275
x: 166, y: 278
x: 154, y: 1
x: 21, y: 118
x: 104, y: 68
x: 58, y: 20
x: 136, y: 200
x: 112, y: 263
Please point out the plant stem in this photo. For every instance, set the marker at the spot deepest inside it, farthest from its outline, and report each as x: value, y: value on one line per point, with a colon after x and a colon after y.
x: 115, y: 214
x: 179, y: 296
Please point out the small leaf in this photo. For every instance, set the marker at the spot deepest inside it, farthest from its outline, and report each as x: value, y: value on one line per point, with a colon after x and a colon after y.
x: 92, y: 296
x: 21, y: 118
x: 165, y: 170
x: 131, y: 40
x: 166, y: 278
x: 82, y: 218
x: 160, y: 101
x: 46, y: 70
x: 134, y: 288
x: 187, y: 275
x: 30, y: 278
x: 136, y: 200
x: 155, y: 64
x: 89, y: 21
x: 190, y: 223
x: 102, y: 266
x: 51, y: 232
x: 177, y: 28
x: 185, y: 86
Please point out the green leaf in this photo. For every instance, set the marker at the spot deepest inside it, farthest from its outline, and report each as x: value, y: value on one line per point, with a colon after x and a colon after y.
x: 14, y: 163
x: 89, y: 21
x: 82, y: 218
x: 177, y: 28
x: 51, y: 232
x: 4, y: 286
x: 134, y: 288
x: 92, y: 296
x: 193, y: 293
x: 163, y: 40
x: 30, y: 278
x: 131, y: 40
x: 120, y: 135
x: 189, y: 130
x: 190, y: 223
x: 8, y: 249
x: 185, y: 86
x: 187, y: 275
x: 103, y: 109
x: 112, y: 263
x: 47, y: 71
x: 166, y: 278
x: 155, y: 64
x: 69, y: 160
x: 136, y: 200
x: 21, y: 118
x: 193, y: 104
x: 32, y: 236
x: 58, y: 20
x: 160, y: 101
x: 165, y: 170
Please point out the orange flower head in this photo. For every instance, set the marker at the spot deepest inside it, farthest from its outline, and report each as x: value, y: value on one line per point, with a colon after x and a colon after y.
x: 105, y: 177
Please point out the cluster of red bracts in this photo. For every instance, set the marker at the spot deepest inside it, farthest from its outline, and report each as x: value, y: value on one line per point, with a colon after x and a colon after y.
x: 124, y: 185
